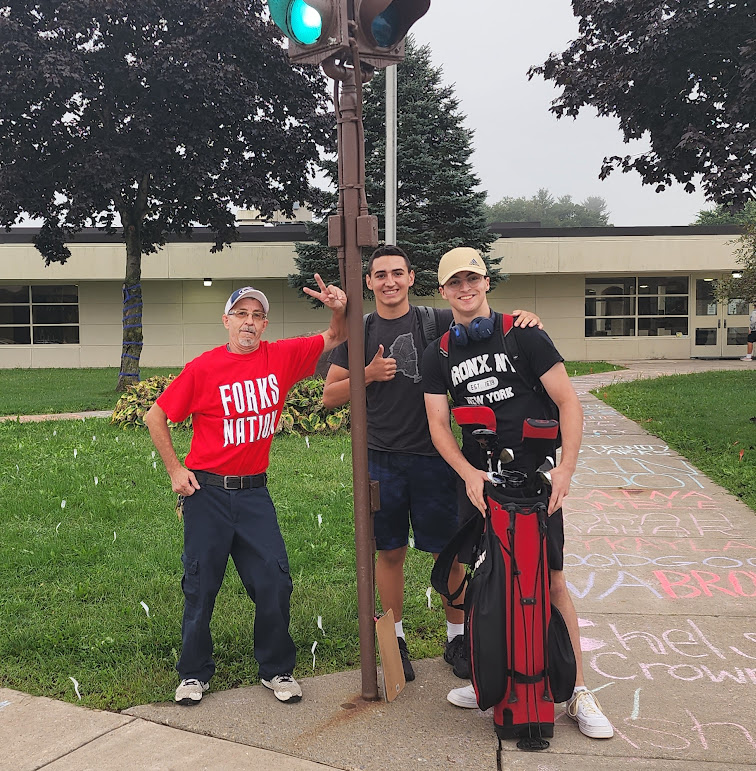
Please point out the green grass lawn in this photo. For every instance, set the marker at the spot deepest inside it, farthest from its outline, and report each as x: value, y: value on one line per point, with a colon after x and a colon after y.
x: 90, y: 533
x: 709, y: 417
x: 90, y: 556
x: 43, y: 391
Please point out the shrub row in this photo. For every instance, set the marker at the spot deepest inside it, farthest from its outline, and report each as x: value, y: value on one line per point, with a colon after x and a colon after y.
x: 303, y: 411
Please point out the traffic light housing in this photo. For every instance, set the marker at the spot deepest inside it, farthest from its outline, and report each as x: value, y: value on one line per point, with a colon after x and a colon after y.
x: 382, y: 26
x: 316, y: 29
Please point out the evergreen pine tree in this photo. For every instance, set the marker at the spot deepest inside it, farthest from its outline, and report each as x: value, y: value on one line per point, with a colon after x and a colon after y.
x: 438, y: 206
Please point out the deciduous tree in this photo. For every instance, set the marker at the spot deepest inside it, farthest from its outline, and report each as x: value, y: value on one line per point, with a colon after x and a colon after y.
x: 682, y: 74
x: 151, y: 117
x: 721, y: 215
x: 743, y: 288
x: 550, y: 212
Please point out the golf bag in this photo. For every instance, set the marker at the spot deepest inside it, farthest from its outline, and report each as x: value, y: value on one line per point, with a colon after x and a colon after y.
x: 521, y: 657
x: 526, y: 709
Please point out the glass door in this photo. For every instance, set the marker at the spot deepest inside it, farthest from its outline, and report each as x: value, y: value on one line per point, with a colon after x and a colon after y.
x: 720, y: 330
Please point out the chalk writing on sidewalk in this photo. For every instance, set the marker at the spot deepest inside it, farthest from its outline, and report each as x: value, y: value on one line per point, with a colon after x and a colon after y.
x: 620, y: 471
x: 589, y: 450
x: 629, y: 653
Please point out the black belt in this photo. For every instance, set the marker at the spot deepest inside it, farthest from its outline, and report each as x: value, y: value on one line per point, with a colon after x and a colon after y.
x: 230, y: 482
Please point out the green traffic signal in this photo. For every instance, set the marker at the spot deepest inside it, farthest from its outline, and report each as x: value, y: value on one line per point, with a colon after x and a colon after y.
x: 298, y: 20
x: 306, y: 22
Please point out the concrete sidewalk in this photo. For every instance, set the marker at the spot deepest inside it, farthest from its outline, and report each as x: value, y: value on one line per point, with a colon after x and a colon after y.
x: 662, y: 566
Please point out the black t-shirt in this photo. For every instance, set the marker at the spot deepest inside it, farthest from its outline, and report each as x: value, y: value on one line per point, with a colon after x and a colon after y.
x: 480, y: 373
x: 396, y: 418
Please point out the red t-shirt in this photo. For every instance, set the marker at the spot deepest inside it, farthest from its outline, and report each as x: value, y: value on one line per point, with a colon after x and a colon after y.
x: 235, y: 401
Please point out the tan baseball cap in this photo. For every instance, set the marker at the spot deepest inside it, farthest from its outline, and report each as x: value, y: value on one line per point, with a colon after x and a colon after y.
x: 463, y: 258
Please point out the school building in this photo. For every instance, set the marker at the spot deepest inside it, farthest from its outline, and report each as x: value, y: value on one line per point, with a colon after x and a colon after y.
x: 603, y: 293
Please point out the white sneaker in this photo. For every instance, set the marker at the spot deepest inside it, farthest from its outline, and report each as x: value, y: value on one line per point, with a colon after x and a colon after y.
x: 284, y: 687
x: 190, y: 691
x: 463, y: 697
x: 746, y: 358
x: 585, y: 709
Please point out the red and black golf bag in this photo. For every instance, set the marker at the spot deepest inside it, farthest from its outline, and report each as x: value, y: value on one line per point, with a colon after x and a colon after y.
x: 521, y: 658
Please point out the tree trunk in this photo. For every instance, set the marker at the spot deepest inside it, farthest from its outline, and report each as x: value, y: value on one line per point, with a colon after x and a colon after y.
x: 132, y: 310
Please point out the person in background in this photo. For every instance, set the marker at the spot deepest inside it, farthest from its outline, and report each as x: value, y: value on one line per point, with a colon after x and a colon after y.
x: 751, y: 335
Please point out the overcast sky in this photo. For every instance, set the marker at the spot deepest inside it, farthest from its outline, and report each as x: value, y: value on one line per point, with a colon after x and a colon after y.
x: 485, y: 48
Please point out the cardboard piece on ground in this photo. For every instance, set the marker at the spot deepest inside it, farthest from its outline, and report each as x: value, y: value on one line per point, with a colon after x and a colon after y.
x: 391, y: 660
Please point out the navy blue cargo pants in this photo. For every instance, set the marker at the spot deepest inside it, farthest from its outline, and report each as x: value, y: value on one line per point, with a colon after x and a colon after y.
x: 242, y: 524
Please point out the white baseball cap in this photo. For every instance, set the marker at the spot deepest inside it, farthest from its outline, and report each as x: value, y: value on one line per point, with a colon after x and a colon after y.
x: 247, y: 291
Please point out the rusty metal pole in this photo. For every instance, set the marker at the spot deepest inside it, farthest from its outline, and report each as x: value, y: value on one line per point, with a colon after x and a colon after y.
x: 349, y: 230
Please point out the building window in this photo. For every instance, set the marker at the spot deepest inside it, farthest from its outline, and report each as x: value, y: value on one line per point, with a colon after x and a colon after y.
x: 39, y: 314
x: 638, y: 306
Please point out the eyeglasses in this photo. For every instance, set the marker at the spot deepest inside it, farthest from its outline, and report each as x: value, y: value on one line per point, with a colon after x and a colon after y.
x: 243, y: 315
x: 472, y: 280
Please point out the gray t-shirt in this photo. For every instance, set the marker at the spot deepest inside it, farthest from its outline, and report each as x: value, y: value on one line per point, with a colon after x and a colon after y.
x: 396, y: 419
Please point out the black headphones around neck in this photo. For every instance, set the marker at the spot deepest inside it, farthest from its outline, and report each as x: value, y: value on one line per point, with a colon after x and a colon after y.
x: 480, y: 328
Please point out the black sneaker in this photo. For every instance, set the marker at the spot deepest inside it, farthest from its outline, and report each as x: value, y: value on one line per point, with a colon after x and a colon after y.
x: 456, y: 654
x: 409, y: 673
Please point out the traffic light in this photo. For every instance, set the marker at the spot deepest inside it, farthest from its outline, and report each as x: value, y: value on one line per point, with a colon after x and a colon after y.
x: 316, y: 29
x: 382, y: 26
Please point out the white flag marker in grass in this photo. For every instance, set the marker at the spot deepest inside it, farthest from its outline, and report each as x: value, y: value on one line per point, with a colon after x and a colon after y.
x: 57, y: 527
x: 76, y: 452
x: 114, y: 536
x: 342, y: 457
x: 94, y: 438
x: 320, y: 625
x: 153, y: 453
x: 411, y: 542
x: 97, y: 481
x: 154, y: 464
x: 312, y: 650
x: 146, y: 608
x: 320, y: 520
x: 428, y: 595
x: 63, y: 504
x: 55, y: 433
x: 307, y: 442
x: 76, y: 686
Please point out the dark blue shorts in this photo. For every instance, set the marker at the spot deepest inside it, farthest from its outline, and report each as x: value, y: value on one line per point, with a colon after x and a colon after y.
x: 413, y: 488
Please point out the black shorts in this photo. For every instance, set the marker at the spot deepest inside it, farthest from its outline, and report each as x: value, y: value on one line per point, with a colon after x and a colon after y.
x: 751, y: 337
x: 554, y: 530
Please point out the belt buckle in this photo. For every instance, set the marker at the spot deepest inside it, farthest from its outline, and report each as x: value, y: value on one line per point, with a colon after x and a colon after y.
x: 226, y: 485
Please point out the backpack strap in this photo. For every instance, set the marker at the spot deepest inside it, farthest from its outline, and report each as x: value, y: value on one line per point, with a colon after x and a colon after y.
x: 463, y: 541
x: 365, y: 324
x: 428, y: 323
x: 512, y: 351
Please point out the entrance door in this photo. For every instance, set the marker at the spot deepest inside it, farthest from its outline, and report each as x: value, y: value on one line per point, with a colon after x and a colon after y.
x: 720, y: 330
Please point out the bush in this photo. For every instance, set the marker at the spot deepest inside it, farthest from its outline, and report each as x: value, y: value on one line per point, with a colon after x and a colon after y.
x: 303, y: 411
x: 131, y: 408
